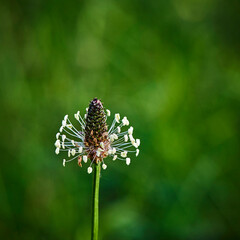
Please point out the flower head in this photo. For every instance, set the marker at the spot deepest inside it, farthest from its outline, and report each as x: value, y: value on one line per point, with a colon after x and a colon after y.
x: 93, y: 140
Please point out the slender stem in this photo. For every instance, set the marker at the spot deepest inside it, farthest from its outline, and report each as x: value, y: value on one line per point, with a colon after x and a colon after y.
x: 95, y: 211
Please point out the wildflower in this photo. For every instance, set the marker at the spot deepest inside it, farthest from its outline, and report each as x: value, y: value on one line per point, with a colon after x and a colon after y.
x: 93, y: 140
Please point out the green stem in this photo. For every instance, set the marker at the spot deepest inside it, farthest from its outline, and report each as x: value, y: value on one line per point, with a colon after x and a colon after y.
x: 95, y: 211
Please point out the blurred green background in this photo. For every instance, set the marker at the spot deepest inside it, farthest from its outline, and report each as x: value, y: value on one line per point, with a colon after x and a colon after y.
x: 172, y: 67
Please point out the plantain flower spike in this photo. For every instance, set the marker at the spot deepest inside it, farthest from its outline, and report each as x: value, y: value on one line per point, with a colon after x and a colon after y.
x: 92, y: 139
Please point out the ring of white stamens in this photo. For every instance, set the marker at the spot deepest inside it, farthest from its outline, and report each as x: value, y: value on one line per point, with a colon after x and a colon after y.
x: 71, y: 140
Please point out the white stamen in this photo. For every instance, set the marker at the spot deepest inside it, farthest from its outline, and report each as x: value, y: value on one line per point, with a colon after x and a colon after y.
x: 98, y: 152
x: 114, y: 150
x: 63, y: 137
x: 126, y: 138
x: 80, y: 149
x: 65, y: 118
x: 69, y: 126
x: 118, y: 129
x: 58, y: 144
x: 108, y: 112
x: 114, y: 157
x: 89, y: 170
x: 64, y: 162
x: 101, y: 144
x: 85, y: 116
x: 73, y: 142
x: 111, y: 138
x: 64, y: 123
x: 138, y: 142
x: 131, y: 138
x: 104, y: 166
x: 117, y: 117
x: 73, y: 152
x: 61, y: 129
x: 57, y: 135
x: 115, y: 136
x: 134, y: 144
x: 110, y: 151
x: 124, y: 154
x: 76, y: 116
x: 137, y: 152
x: 125, y: 121
x: 57, y: 151
x: 85, y: 158
x: 69, y: 153
x: 130, y: 131
x: 86, y: 109
x: 63, y: 146
x: 128, y: 160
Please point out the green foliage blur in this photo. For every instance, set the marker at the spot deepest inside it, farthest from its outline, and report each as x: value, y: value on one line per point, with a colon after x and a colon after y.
x: 172, y: 67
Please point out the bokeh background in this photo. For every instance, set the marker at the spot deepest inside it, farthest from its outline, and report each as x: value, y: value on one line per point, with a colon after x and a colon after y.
x: 172, y: 67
